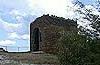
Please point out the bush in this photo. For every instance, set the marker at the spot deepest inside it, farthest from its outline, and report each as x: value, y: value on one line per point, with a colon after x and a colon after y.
x: 76, y: 49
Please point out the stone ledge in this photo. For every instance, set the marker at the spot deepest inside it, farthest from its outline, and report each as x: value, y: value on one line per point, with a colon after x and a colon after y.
x: 38, y: 52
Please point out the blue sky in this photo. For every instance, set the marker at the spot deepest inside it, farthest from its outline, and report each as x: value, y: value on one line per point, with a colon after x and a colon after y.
x: 16, y: 15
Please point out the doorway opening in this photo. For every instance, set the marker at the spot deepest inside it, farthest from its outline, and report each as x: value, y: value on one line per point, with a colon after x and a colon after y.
x: 36, y: 39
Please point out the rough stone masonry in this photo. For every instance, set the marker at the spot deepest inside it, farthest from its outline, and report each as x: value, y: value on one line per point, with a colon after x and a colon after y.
x: 45, y: 31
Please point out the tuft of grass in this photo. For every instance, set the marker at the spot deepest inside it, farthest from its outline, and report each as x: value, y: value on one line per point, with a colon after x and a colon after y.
x: 31, y: 58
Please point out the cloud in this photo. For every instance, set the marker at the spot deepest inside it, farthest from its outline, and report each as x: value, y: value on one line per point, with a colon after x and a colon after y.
x: 7, y: 42
x: 13, y: 21
x: 9, y: 27
x: 25, y: 37
x: 18, y: 15
x: 14, y: 36
x: 53, y: 7
x: 16, y: 12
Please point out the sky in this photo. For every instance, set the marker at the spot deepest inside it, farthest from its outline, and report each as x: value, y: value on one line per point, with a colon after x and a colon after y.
x: 16, y: 16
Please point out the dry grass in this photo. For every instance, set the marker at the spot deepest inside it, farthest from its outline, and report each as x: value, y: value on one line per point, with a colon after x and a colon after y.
x: 33, y: 58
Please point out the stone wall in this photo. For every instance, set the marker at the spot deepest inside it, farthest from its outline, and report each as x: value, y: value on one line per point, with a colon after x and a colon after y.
x: 50, y: 28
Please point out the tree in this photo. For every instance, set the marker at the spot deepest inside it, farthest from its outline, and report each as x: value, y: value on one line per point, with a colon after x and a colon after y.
x: 77, y: 49
x: 89, y: 14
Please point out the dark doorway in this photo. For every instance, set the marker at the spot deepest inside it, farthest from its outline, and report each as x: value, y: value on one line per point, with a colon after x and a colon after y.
x: 36, y: 39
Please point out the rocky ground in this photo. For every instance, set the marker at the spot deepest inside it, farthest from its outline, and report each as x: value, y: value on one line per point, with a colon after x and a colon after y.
x: 27, y: 59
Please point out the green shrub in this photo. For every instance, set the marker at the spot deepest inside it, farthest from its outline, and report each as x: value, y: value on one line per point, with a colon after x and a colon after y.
x: 76, y: 49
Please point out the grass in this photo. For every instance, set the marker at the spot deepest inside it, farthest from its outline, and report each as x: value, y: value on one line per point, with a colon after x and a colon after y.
x: 32, y: 58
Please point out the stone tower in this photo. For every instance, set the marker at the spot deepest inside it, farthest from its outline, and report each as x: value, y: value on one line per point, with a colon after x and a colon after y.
x: 45, y: 31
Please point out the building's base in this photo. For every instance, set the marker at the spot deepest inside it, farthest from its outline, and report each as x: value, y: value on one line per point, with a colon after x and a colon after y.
x: 38, y: 52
